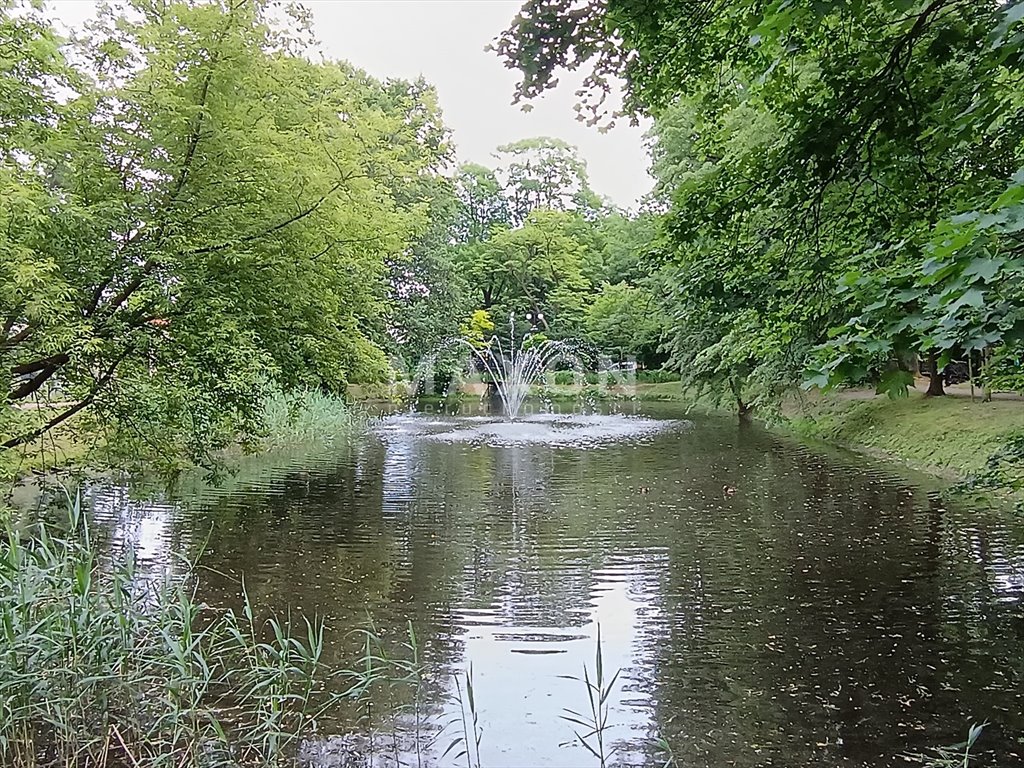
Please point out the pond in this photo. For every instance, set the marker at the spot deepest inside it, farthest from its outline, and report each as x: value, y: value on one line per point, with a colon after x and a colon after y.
x: 764, y: 601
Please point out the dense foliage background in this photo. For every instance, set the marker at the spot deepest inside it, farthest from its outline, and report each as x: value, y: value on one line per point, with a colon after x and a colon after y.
x: 199, y: 212
x: 841, y: 181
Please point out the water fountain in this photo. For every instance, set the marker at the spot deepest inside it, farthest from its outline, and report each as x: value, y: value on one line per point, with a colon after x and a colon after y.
x: 513, y: 368
x: 514, y: 365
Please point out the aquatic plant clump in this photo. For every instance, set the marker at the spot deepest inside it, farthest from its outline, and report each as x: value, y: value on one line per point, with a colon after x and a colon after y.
x: 303, y: 416
x: 99, y: 667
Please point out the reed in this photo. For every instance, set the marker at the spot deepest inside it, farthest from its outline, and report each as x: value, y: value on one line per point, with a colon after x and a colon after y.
x: 594, y: 722
x: 306, y: 416
x: 100, y: 667
x: 468, y: 723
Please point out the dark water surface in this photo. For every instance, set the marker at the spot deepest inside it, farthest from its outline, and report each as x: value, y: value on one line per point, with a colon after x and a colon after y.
x: 767, y: 603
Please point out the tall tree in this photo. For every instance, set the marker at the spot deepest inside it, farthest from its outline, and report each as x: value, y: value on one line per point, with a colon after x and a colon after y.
x: 545, y: 173
x: 626, y: 321
x: 194, y: 210
x: 429, y: 294
x: 483, y: 205
x: 871, y: 204
x: 534, y: 269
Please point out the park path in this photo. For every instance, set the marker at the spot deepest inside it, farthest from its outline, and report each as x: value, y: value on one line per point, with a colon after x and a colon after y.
x: 921, y: 386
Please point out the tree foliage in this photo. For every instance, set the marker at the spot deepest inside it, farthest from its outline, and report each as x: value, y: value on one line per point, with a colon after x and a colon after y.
x: 193, y: 209
x: 544, y: 173
x: 841, y: 179
x: 532, y: 239
x: 626, y: 321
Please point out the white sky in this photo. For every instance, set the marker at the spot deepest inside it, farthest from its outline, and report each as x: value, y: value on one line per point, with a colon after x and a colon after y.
x: 444, y: 41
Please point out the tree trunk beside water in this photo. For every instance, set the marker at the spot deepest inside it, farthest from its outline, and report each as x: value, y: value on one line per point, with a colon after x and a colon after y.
x: 935, y: 376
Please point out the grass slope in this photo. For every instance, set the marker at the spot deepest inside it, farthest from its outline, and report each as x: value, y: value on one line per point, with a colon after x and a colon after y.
x: 950, y: 436
x: 977, y: 443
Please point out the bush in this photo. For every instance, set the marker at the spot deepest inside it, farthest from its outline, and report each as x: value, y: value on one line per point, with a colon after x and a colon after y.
x: 656, y: 377
x: 565, y: 378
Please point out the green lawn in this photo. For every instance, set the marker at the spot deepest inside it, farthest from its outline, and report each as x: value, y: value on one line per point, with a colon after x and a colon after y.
x: 949, y: 435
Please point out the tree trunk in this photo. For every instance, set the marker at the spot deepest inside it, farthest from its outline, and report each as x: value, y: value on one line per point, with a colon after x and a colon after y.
x: 986, y: 384
x: 935, y: 381
x: 743, y: 410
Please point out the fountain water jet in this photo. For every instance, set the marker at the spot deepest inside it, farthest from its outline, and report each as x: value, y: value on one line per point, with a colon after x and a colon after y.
x: 515, y: 369
x: 513, y: 365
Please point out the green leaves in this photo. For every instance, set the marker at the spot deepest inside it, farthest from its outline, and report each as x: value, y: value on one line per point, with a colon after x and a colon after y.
x: 984, y: 268
x: 625, y: 320
x: 895, y: 383
x: 202, y: 209
x: 825, y: 165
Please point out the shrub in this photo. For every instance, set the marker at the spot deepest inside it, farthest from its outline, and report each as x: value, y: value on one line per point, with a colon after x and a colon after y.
x: 658, y: 376
x: 306, y: 415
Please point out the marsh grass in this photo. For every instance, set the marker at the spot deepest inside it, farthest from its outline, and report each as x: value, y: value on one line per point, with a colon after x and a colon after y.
x: 306, y: 416
x: 99, y: 667
x: 396, y: 680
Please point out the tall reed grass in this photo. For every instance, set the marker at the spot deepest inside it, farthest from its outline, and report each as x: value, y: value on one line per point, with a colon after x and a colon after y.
x: 306, y: 416
x: 101, y: 668
x: 592, y: 725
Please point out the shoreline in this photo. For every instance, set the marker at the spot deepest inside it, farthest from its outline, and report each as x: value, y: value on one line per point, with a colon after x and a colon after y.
x: 977, y: 447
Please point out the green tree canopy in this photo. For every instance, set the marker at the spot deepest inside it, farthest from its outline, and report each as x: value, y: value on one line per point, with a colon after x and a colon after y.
x: 626, y: 321
x: 483, y: 204
x: 535, y: 269
x: 545, y: 173
x: 837, y: 175
x: 194, y: 209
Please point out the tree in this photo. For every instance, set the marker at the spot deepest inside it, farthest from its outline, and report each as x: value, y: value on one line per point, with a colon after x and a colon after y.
x: 815, y: 158
x: 483, y: 205
x: 545, y: 173
x: 535, y: 269
x: 624, y: 320
x: 626, y: 247
x: 194, y: 210
x: 428, y: 292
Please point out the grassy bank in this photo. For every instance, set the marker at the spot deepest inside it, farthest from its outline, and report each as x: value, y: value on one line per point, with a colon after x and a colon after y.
x: 299, y: 418
x: 976, y: 443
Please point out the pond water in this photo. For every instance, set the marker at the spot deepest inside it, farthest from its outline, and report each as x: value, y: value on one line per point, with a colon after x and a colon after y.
x: 766, y: 602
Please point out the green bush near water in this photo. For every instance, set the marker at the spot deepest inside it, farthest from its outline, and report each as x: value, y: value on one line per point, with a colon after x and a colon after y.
x: 100, y: 668
x: 641, y: 377
x: 306, y: 415
x: 658, y: 376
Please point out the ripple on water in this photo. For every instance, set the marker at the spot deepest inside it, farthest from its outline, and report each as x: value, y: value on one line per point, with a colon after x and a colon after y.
x: 556, y: 430
x: 768, y: 603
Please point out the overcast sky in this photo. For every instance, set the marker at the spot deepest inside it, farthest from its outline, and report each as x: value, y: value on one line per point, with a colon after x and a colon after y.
x: 444, y: 41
